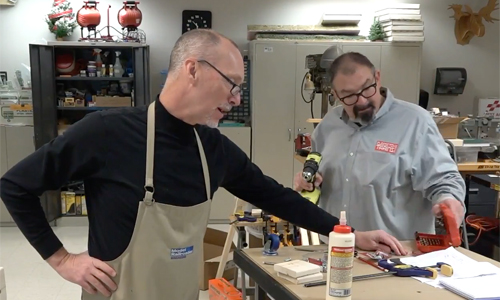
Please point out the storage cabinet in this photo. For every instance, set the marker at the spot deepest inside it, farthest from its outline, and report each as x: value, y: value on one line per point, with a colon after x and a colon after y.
x: 53, y: 89
x: 279, y: 110
x: 16, y: 143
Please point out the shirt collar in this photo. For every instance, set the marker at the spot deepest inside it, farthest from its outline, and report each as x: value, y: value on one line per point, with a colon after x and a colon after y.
x: 389, y: 99
x: 166, y: 122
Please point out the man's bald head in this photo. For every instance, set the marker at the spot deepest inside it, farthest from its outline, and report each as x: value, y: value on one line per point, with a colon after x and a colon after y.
x: 204, y: 44
x: 205, y: 77
x: 347, y: 64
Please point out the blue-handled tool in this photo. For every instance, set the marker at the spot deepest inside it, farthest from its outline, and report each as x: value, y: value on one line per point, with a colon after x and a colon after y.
x: 395, y: 267
x: 247, y: 217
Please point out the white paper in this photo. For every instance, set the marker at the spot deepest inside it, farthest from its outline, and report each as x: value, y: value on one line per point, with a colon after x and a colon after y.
x: 484, y: 287
x: 463, y: 266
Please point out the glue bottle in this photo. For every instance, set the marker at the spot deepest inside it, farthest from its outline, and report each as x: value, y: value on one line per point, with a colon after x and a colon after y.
x: 340, y: 261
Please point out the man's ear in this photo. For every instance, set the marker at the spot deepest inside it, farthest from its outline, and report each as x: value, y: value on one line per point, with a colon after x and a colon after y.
x: 377, y: 76
x: 191, y: 68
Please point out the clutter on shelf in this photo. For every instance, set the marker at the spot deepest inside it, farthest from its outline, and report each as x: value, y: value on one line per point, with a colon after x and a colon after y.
x: 401, y: 22
x: 73, y: 201
x: 95, y: 77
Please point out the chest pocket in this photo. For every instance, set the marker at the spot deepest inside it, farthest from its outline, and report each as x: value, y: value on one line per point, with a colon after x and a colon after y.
x: 375, y: 168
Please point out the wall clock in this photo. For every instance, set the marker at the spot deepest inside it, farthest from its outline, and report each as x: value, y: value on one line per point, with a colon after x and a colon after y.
x: 194, y: 19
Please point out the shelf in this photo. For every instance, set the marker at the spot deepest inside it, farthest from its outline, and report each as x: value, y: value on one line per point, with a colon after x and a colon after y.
x: 80, y: 78
x: 93, y: 44
x: 91, y: 108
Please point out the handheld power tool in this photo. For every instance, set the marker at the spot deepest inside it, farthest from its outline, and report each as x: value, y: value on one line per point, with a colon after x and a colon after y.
x: 311, y: 166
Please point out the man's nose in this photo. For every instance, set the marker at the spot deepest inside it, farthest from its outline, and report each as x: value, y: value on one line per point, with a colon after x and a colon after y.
x: 235, y: 100
x: 362, y: 100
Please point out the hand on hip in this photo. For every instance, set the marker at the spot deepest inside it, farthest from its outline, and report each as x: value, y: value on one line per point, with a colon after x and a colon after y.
x: 93, y: 275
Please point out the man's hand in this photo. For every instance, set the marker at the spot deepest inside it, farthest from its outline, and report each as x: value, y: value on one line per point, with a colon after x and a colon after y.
x: 300, y: 184
x: 378, y: 240
x: 91, y: 274
x: 455, y: 206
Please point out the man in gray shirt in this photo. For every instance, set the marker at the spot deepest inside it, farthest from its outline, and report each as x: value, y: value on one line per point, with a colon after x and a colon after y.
x: 384, y: 161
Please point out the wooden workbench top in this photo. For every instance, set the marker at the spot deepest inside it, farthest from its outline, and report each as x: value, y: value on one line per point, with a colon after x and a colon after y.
x: 388, y: 288
x: 483, y: 166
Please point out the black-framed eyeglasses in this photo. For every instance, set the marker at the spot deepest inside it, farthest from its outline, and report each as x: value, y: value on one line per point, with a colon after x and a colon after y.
x: 352, y: 99
x: 235, y: 89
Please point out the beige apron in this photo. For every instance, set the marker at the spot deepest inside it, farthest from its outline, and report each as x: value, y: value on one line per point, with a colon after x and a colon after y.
x: 164, y: 258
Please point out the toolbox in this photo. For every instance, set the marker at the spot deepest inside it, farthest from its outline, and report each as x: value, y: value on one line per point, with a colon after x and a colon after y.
x: 221, y: 289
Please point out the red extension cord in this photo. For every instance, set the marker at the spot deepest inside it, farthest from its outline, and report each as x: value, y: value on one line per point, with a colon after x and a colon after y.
x: 481, y: 224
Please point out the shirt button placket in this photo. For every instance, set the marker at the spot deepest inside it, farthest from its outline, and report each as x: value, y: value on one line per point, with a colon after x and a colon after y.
x: 348, y: 172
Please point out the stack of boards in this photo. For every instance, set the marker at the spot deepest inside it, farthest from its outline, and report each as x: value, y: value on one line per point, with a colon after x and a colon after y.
x: 402, y: 22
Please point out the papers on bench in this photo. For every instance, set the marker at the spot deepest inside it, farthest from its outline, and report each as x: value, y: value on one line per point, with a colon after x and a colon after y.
x: 464, y: 268
x: 476, y: 288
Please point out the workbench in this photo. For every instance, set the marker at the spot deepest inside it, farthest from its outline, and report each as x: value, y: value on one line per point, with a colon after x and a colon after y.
x: 251, y: 262
x: 486, y: 166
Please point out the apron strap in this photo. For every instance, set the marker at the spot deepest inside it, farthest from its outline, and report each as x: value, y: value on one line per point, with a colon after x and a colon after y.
x: 150, y: 153
x: 204, y: 164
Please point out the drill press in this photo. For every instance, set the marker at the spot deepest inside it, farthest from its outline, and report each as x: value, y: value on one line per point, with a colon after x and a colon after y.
x: 317, y: 79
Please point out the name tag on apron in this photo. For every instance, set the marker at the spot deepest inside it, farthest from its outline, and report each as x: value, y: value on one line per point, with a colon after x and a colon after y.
x: 180, y: 253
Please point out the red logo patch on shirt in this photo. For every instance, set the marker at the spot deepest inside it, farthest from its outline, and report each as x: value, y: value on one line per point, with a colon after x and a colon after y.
x: 386, y: 147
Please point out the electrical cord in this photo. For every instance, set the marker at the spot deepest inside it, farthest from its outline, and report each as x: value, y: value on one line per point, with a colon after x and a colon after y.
x: 481, y: 224
x: 311, y: 101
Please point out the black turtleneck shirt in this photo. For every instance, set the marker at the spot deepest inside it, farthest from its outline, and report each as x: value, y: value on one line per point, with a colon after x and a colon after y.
x: 107, y: 150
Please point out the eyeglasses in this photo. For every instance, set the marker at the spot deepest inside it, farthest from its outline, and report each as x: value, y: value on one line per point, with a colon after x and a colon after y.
x: 235, y: 89
x: 352, y: 99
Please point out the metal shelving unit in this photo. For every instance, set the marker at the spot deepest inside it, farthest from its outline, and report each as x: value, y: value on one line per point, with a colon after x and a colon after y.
x: 46, y: 88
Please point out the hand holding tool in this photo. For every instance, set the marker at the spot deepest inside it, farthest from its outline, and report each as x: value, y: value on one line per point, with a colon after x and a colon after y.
x: 433, y: 242
x: 311, y: 167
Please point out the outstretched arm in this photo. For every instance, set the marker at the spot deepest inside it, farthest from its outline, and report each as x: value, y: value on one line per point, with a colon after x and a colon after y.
x: 246, y: 181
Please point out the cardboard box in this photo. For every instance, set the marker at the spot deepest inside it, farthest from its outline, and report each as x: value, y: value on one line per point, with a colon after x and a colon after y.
x: 448, y: 126
x: 106, y: 101
x: 213, y: 243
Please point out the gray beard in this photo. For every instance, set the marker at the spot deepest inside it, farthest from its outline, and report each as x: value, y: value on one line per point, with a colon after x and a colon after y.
x: 210, y: 122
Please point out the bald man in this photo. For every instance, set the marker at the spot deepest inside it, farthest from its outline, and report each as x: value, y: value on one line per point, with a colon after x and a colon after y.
x: 150, y: 173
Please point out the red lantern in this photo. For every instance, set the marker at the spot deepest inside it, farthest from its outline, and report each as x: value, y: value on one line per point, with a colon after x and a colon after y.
x: 89, y: 15
x: 130, y: 16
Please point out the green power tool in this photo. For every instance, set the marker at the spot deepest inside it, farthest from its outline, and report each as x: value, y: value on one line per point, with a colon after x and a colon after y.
x: 311, y: 166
